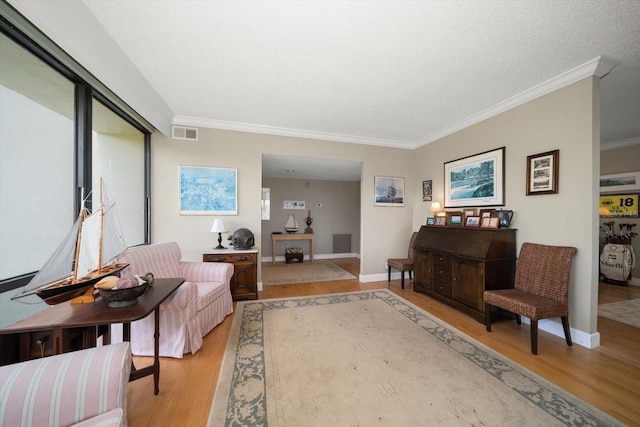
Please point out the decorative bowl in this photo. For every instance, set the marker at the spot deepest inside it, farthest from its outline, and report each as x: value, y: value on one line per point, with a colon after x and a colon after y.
x: 122, y: 297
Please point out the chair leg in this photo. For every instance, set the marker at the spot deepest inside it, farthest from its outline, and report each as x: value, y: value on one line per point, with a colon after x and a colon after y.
x: 402, y: 280
x: 487, y: 316
x: 389, y: 276
x: 567, y: 331
x: 411, y: 275
x: 518, y: 319
x: 534, y: 336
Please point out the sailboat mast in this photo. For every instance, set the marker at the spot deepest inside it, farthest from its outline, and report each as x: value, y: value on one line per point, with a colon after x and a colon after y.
x: 78, y: 243
x: 101, y: 229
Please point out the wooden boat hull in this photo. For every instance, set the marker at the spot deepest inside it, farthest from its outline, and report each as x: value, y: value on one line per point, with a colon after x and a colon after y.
x: 66, y: 289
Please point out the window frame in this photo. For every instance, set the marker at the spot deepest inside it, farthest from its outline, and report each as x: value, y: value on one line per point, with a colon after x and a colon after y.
x: 84, y: 93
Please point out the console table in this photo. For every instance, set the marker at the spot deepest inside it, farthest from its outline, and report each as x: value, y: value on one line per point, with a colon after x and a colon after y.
x: 291, y: 236
x: 456, y: 265
x: 59, y: 322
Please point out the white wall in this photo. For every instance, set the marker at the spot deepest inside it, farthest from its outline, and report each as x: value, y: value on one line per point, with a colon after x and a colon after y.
x: 568, y: 120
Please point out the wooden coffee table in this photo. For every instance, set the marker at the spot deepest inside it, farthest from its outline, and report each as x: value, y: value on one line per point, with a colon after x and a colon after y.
x: 65, y: 316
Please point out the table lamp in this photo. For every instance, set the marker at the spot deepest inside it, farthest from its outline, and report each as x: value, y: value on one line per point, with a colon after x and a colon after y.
x: 219, y: 227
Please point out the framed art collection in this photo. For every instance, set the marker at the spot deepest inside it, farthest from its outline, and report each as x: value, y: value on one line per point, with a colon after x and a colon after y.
x: 542, y: 173
x: 476, y: 180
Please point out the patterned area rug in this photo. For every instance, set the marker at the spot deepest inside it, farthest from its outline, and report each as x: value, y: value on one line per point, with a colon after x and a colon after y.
x: 622, y: 311
x: 319, y: 271
x: 372, y: 358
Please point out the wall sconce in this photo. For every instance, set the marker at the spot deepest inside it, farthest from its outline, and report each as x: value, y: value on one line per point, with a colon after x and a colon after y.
x: 219, y: 227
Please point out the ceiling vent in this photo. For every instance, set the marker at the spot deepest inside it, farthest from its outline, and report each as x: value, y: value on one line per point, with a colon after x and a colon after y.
x: 181, y: 132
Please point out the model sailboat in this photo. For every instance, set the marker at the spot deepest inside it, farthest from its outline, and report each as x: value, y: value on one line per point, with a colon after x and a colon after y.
x: 85, y: 255
x: 292, y: 225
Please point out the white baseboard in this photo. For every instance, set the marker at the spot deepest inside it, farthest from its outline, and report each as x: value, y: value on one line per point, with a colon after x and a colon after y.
x: 315, y: 256
x: 579, y: 337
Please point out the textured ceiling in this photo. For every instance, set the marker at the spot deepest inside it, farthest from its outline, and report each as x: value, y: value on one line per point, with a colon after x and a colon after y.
x: 393, y: 73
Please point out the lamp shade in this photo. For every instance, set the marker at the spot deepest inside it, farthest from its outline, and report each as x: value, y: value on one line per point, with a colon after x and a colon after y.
x: 435, y: 207
x: 218, y: 226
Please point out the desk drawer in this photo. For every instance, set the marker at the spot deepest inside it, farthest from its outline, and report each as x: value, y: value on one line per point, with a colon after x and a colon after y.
x: 442, y: 267
x: 240, y: 258
x: 443, y: 287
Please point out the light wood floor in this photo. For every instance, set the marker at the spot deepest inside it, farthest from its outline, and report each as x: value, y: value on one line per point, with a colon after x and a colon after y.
x: 608, y: 377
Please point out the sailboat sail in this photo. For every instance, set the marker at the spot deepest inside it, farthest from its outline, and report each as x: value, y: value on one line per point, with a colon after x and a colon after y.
x: 92, y: 243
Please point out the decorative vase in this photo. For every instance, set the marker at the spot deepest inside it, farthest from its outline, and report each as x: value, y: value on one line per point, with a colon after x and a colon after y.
x: 309, y: 221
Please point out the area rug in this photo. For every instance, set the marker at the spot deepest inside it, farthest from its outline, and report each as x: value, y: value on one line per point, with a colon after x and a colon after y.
x: 622, y: 311
x: 373, y: 359
x: 318, y: 271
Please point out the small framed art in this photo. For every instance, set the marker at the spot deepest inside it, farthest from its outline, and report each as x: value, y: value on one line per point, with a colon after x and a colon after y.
x: 490, y: 222
x: 484, y: 213
x: 454, y: 219
x: 472, y: 221
x: 542, y: 173
x: 441, y: 221
x: 431, y: 221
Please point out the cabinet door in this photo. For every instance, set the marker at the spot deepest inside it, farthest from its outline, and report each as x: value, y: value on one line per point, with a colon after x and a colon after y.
x: 468, y: 283
x: 422, y: 265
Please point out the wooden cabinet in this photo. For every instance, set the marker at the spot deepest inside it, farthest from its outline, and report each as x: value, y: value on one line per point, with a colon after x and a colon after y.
x: 244, y: 283
x: 456, y: 265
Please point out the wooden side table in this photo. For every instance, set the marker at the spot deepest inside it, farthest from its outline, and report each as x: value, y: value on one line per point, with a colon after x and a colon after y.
x: 244, y: 283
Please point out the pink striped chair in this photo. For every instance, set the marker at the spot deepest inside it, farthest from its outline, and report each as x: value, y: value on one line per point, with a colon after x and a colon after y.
x: 81, y: 388
x: 201, y: 303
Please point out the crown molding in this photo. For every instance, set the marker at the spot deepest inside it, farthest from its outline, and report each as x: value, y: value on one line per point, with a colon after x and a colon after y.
x: 600, y: 67
x: 619, y: 144
x: 295, y: 133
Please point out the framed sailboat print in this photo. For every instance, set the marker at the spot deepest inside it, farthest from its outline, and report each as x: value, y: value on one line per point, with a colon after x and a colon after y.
x: 389, y: 191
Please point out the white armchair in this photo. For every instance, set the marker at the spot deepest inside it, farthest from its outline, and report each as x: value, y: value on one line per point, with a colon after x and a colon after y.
x: 81, y: 388
x: 201, y: 303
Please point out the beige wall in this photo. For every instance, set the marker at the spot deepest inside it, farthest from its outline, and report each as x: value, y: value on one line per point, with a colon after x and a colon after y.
x: 383, y: 230
x: 566, y: 120
x: 339, y: 213
x: 626, y: 159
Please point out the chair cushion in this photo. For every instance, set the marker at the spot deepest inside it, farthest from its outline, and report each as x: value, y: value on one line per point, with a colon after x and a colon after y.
x: 209, y: 292
x: 525, y: 304
x: 402, y: 264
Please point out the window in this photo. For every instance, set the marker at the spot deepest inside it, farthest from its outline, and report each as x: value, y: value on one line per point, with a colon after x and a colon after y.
x: 47, y: 156
x: 36, y: 159
x: 117, y: 152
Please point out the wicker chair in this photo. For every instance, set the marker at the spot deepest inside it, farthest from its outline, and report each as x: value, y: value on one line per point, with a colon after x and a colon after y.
x: 541, y: 288
x: 403, y: 264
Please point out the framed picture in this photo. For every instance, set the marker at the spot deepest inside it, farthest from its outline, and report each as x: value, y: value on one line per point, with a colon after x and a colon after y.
x: 427, y: 189
x: 431, y: 221
x: 472, y: 221
x: 490, y: 222
x: 293, y: 204
x: 454, y: 219
x: 484, y: 213
x: 619, y: 205
x: 542, y: 173
x: 208, y: 191
x: 389, y: 191
x: 441, y: 221
x: 476, y: 180
x: 628, y: 181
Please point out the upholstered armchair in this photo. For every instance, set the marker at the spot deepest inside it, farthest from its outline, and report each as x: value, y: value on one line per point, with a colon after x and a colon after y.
x: 201, y: 303
x: 84, y: 388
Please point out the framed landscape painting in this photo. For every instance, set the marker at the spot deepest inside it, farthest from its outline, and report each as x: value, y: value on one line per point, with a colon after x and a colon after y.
x: 389, y: 191
x: 208, y: 191
x: 476, y: 180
